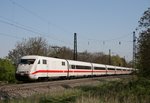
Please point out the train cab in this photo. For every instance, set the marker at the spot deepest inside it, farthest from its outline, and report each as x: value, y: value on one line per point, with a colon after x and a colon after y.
x: 39, y: 67
x: 26, y: 65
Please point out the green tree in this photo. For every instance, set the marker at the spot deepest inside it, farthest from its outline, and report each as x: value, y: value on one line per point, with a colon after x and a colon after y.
x: 144, y: 45
x: 39, y: 46
x: 7, y: 70
x: 85, y: 56
x: 116, y: 60
x: 31, y: 46
x: 65, y: 53
x: 145, y: 20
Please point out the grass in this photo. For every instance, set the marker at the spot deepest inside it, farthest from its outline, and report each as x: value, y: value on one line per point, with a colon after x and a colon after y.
x: 137, y: 91
x: 66, y: 96
x: 125, y: 91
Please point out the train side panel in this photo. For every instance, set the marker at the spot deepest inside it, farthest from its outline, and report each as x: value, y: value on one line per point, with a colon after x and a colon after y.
x: 57, y: 67
x: 124, y: 70
x: 78, y: 68
x: 99, y: 69
x: 127, y: 71
x: 41, y: 68
x: 111, y: 70
x: 48, y: 67
x: 118, y: 70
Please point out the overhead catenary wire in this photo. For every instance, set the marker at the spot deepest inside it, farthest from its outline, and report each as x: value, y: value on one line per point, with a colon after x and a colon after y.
x: 50, y: 23
x: 118, y: 40
x: 26, y: 28
x: 40, y: 17
x: 33, y: 31
x: 37, y: 32
x: 9, y: 20
x: 43, y: 20
x: 11, y: 36
x: 109, y: 40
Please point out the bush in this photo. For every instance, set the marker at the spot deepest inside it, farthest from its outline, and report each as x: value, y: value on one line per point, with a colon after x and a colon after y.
x: 136, y: 91
x: 7, y: 70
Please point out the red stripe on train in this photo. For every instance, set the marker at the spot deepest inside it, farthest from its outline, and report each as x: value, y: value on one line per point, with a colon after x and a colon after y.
x: 62, y: 71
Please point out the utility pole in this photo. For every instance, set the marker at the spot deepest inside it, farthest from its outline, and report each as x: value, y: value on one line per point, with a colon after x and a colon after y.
x: 124, y: 61
x: 75, y: 46
x: 109, y: 57
x: 134, y: 49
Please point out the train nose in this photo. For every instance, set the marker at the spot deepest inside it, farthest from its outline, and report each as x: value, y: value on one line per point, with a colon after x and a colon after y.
x: 22, y: 75
x: 22, y: 72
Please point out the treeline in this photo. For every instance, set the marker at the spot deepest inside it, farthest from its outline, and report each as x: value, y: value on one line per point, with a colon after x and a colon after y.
x: 39, y: 46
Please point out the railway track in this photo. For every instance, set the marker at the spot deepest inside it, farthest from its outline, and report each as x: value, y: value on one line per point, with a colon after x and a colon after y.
x: 27, y: 89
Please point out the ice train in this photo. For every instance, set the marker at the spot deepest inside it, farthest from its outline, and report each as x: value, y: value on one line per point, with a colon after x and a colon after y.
x: 34, y: 67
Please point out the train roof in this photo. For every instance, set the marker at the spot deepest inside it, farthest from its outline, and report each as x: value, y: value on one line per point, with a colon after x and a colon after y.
x: 73, y: 62
x: 79, y: 62
x: 96, y: 64
x: 37, y: 56
x: 30, y: 57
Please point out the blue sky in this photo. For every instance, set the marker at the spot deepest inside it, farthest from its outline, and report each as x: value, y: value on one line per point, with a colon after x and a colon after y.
x: 100, y: 24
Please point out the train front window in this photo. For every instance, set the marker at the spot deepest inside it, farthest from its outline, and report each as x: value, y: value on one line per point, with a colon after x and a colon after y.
x: 27, y: 61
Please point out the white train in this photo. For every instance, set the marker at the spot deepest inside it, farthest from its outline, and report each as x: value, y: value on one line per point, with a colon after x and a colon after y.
x: 39, y: 67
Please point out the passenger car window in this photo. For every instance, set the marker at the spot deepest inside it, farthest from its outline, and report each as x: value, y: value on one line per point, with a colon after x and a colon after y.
x: 82, y: 67
x: 63, y: 63
x: 73, y: 66
x: 99, y: 68
x: 39, y: 62
x: 111, y: 68
x: 44, y: 61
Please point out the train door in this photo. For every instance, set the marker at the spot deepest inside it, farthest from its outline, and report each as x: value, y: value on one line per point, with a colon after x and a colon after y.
x: 45, y: 67
x: 68, y: 66
x: 42, y: 68
x: 92, y: 67
x: 106, y: 70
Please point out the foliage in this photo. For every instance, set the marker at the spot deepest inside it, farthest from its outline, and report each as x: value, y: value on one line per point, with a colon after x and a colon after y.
x: 144, y: 45
x: 61, y: 52
x: 145, y: 19
x: 143, y: 53
x: 116, y: 60
x: 31, y: 46
x: 101, y: 58
x: 7, y: 70
x: 124, y: 91
x: 120, y: 92
x: 39, y: 46
x: 67, y: 96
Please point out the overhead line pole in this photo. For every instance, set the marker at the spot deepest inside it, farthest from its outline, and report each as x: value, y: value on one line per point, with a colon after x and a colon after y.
x: 134, y: 49
x: 75, y: 46
x: 109, y: 56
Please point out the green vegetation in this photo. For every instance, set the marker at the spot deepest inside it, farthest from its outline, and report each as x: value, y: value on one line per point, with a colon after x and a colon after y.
x: 39, y: 46
x: 121, y: 92
x: 124, y: 91
x: 66, y: 96
x: 7, y: 70
x: 144, y: 45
